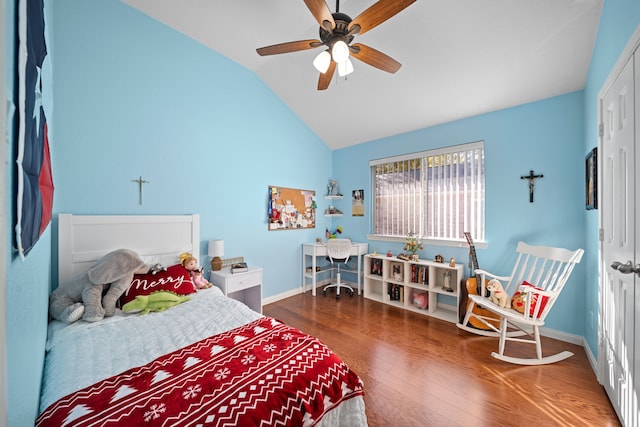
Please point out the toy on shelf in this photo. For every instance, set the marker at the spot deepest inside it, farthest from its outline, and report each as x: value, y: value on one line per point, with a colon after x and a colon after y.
x: 421, y: 300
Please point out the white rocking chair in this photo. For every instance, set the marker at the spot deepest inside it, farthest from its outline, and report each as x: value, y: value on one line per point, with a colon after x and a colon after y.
x: 547, y: 269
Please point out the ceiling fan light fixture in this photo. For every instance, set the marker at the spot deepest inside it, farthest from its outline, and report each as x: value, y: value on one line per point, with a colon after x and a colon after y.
x: 345, y: 68
x: 322, y: 61
x: 340, y: 52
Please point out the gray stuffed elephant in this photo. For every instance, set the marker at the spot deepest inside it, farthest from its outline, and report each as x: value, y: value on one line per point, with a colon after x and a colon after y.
x: 82, y: 296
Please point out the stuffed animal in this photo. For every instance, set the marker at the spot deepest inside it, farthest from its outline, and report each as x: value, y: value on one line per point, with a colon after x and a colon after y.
x: 498, y: 295
x: 155, y: 301
x: 190, y: 263
x: 421, y: 300
x: 82, y: 296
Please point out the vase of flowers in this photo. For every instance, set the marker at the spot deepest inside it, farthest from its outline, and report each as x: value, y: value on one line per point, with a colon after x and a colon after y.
x: 413, y: 245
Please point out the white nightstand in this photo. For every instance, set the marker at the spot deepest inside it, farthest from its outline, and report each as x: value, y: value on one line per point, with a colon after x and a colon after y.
x: 245, y: 287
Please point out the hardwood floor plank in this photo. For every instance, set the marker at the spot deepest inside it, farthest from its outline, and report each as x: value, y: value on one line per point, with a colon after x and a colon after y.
x: 421, y: 371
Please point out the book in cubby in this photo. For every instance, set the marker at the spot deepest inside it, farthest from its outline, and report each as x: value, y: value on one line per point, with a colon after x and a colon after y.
x: 396, y: 292
x: 420, y: 274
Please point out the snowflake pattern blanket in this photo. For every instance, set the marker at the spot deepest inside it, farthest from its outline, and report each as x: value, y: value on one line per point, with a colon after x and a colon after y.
x: 264, y: 373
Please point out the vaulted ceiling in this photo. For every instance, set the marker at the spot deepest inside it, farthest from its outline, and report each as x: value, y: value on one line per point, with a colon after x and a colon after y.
x: 460, y: 58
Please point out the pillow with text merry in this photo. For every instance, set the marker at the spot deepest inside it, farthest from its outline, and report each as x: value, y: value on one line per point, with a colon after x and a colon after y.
x: 174, y: 279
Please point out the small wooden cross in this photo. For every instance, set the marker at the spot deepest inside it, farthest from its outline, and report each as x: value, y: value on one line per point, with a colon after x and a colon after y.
x: 531, y: 177
x: 140, y: 181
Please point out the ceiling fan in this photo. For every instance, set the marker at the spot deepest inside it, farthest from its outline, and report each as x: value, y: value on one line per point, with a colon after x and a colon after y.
x: 337, y: 31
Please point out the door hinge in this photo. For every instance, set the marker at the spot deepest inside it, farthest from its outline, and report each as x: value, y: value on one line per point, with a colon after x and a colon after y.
x: 601, y: 234
x: 600, y: 130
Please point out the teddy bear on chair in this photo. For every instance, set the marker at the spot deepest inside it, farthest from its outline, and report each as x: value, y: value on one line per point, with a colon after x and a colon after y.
x: 498, y: 296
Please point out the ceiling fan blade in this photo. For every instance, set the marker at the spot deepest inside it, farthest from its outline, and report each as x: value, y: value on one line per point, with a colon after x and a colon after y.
x: 288, y: 47
x: 325, y: 78
x: 375, y: 58
x: 377, y: 13
x: 322, y: 13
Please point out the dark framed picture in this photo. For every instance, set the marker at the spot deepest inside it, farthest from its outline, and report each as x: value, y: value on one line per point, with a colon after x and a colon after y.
x: 591, y: 179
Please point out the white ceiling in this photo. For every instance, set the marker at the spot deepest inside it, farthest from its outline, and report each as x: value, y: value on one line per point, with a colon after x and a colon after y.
x: 460, y: 58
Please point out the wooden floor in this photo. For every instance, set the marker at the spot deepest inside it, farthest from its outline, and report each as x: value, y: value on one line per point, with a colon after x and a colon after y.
x: 421, y: 371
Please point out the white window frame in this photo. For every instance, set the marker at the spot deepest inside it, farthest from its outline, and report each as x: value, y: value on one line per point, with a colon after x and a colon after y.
x: 425, y: 210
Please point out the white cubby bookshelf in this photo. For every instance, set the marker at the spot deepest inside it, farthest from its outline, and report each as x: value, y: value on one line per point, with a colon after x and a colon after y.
x: 394, y: 281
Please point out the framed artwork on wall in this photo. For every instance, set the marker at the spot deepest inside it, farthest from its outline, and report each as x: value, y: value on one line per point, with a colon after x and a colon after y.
x: 357, y: 203
x: 591, y: 180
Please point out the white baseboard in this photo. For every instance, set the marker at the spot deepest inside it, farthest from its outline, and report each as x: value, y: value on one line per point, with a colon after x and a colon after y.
x: 562, y: 336
x: 573, y: 339
x: 593, y: 360
x: 319, y: 285
x: 283, y: 295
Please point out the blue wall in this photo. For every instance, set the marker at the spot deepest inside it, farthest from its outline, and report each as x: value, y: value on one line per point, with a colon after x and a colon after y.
x: 133, y: 98
x: 145, y: 100
x: 546, y: 137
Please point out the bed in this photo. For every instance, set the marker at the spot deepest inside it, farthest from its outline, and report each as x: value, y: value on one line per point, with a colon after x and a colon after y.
x: 209, y: 361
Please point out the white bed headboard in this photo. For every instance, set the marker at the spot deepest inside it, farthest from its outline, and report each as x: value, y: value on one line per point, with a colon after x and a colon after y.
x: 84, y: 239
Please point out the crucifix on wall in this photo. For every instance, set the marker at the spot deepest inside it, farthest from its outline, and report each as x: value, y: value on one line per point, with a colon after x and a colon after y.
x: 531, y: 177
x: 140, y: 181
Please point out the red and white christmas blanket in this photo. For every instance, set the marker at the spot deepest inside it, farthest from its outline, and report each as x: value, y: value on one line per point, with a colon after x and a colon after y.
x: 262, y: 373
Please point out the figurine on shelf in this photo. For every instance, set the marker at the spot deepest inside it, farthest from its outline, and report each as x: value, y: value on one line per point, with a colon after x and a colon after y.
x: 332, y: 188
x: 447, y: 282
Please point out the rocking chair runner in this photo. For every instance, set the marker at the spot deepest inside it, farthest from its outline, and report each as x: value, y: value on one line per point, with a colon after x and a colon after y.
x: 539, y: 274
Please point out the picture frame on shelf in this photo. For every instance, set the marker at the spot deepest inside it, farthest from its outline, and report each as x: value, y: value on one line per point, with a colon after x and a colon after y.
x: 591, y: 179
x: 397, y: 271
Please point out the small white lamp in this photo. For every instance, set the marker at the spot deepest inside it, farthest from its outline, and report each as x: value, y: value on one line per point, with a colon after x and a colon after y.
x: 216, y: 250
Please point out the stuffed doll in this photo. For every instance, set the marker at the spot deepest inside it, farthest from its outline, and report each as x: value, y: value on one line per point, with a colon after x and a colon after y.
x: 190, y: 263
x: 82, y: 296
x: 198, y: 279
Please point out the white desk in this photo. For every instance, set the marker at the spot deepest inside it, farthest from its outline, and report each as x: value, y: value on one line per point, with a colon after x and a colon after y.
x: 315, y: 250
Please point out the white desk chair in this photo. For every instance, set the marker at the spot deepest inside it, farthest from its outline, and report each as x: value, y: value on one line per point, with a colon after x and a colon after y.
x: 547, y: 269
x: 338, y: 252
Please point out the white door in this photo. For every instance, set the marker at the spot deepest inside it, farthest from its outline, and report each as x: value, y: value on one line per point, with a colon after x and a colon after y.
x: 617, y: 352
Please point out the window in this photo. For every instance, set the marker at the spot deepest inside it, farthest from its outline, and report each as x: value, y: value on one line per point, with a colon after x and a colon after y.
x: 437, y: 194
